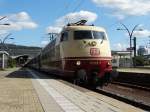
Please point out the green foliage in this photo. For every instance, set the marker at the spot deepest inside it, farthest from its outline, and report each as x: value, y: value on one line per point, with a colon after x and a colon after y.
x: 11, y: 63
x: 138, y: 61
x: 147, y: 62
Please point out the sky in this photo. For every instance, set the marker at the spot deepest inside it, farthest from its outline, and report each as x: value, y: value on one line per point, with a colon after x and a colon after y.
x: 31, y: 20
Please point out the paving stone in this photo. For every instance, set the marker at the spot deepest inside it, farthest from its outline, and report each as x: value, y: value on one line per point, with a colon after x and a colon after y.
x: 17, y: 93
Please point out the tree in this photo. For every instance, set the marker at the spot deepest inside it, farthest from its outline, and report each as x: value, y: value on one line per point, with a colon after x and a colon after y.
x: 11, y: 62
x: 138, y: 60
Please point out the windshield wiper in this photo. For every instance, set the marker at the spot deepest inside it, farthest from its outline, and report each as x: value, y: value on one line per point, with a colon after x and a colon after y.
x: 102, y: 40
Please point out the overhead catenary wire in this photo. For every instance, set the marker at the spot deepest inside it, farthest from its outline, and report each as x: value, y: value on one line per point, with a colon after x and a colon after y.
x: 79, y: 4
x: 66, y: 7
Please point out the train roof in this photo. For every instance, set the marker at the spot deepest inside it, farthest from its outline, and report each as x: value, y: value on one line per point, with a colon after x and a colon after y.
x: 84, y: 27
x: 81, y: 25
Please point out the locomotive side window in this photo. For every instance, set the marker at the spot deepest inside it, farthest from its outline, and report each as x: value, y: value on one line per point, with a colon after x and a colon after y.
x: 64, y: 36
x: 82, y: 35
x: 99, y: 35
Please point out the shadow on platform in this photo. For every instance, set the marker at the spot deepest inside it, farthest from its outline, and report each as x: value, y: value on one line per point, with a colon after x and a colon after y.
x: 24, y: 73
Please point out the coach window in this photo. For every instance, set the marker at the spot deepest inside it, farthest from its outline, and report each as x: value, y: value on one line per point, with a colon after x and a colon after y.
x: 64, y: 36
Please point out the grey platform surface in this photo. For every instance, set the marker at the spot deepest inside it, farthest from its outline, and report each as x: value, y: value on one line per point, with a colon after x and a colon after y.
x: 56, y: 96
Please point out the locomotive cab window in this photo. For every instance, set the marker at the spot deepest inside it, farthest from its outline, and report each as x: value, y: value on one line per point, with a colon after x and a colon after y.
x: 99, y: 35
x: 64, y: 36
x: 82, y: 35
x: 89, y: 35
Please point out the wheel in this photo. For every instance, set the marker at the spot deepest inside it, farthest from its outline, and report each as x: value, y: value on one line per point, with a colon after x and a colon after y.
x: 107, y: 78
x: 93, y: 81
x: 80, y: 77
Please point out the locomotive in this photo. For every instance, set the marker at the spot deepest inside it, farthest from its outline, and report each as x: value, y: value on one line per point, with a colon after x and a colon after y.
x: 80, y: 52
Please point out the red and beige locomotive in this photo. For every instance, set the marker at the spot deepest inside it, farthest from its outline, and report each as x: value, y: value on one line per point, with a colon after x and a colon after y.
x: 80, y: 52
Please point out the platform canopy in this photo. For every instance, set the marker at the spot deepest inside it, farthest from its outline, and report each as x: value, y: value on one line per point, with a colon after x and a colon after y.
x: 4, y: 52
x: 122, y: 53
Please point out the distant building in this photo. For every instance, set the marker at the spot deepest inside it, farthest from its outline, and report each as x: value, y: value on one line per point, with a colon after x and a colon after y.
x: 3, y: 59
x: 121, y: 59
x: 142, y: 50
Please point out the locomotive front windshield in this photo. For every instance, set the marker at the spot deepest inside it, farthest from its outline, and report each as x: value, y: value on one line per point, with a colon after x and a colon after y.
x: 86, y: 34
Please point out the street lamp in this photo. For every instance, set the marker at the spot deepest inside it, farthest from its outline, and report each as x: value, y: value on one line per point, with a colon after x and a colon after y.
x: 2, y: 41
x: 2, y: 18
x: 7, y: 24
x: 130, y: 33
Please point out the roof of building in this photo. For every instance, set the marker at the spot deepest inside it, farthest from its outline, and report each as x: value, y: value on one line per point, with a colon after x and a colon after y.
x: 4, y: 52
x: 120, y: 52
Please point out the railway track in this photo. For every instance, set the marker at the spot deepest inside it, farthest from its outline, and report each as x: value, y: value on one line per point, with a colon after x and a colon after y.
x: 123, y: 97
x: 132, y: 86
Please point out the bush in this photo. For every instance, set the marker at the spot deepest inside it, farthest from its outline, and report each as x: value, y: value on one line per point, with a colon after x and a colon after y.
x: 11, y: 63
x: 138, y: 61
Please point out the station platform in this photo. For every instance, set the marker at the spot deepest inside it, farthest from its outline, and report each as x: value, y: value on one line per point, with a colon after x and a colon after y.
x: 142, y: 70
x: 24, y: 90
x: 138, y: 76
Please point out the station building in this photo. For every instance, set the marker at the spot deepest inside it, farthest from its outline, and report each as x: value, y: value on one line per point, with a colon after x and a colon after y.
x: 3, y: 59
x: 121, y: 59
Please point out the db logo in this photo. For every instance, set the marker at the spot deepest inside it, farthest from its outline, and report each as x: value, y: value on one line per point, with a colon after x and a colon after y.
x: 93, y: 43
x: 94, y: 51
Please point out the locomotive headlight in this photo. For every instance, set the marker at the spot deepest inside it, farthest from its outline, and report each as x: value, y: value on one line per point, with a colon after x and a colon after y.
x: 109, y: 63
x: 78, y: 63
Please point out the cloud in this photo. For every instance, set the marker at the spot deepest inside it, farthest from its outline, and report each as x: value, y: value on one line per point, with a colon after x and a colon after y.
x: 52, y: 29
x: 126, y: 7
x: 70, y: 18
x: 22, y: 16
x: 3, y: 32
x: 76, y: 16
x: 119, y: 47
x: 44, y: 42
x: 18, y: 21
x: 27, y: 24
x: 143, y: 33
